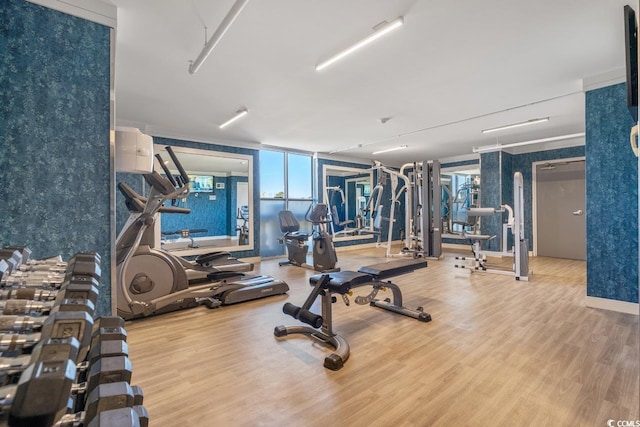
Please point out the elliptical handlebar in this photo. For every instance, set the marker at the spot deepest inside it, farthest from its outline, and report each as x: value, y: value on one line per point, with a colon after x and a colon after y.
x: 172, y: 187
x: 176, y: 162
x: 166, y: 170
x: 315, y: 216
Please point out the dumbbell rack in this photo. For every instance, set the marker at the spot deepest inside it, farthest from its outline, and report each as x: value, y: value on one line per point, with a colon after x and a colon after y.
x: 58, y: 365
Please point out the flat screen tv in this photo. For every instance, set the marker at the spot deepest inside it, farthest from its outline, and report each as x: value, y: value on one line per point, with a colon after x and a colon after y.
x: 201, y: 184
x: 631, y: 56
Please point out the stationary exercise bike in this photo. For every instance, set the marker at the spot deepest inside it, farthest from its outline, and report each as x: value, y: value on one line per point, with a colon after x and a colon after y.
x: 153, y: 281
x: 324, y: 253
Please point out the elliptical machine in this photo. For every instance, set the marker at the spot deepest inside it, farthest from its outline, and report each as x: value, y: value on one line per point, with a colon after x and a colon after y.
x: 324, y: 253
x: 153, y: 281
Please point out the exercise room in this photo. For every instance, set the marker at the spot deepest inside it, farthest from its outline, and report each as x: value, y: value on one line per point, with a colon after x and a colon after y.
x: 297, y: 213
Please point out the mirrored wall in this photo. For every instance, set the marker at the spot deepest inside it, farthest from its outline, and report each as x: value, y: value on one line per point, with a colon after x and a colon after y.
x: 460, y: 191
x: 220, y: 202
x: 347, y: 192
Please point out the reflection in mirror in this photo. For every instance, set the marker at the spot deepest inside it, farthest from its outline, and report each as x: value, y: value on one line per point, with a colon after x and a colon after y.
x: 220, y: 203
x: 347, y: 191
x: 460, y: 191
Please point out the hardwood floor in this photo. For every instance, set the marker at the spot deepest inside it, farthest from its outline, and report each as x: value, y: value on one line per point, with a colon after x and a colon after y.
x: 497, y: 353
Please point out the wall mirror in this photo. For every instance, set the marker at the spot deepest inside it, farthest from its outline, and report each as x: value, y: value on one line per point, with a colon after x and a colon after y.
x: 347, y: 191
x: 220, y: 200
x: 460, y: 191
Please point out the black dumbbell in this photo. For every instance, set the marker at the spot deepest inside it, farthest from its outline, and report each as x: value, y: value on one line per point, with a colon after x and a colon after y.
x: 124, y: 417
x: 108, y: 342
x: 46, y: 350
x: 105, y: 369
x: 62, y: 324
x: 42, y: 394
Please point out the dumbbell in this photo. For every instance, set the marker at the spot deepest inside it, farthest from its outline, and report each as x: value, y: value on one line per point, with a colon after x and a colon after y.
x: 82, y: 264
x: 86, y: 289
x: 108, y: 338
x: 9, y: 323
x: 4, y: 269
x: 47, y: 390
x: 53, y: 263
x: 108, y: 411
x: 95, y: 378
x: 12, y: 257
x: 61, y: 324
x: 67, y: 299
x: 47, y: 350
x: 125, y: 417
x: 25, y: 252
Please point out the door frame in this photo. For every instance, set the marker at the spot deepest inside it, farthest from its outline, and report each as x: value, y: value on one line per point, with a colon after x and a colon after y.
x: 534, y: 193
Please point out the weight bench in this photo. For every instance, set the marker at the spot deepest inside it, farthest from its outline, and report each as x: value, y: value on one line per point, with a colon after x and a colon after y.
x: 325, y: 285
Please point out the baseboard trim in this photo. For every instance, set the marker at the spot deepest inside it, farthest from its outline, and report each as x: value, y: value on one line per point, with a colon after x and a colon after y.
x: 612, y: 305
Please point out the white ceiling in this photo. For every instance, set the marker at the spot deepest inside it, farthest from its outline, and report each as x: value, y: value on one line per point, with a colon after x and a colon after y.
x: 453, y: 69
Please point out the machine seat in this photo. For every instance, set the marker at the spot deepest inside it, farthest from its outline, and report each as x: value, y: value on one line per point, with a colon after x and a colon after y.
x: 343, y: 281
x: 290, y: 226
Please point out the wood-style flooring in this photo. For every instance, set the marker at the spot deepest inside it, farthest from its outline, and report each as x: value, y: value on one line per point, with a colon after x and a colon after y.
x: 498, y: 352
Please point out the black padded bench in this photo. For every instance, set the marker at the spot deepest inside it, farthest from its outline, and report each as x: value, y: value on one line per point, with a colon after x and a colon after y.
x: 327, y: 284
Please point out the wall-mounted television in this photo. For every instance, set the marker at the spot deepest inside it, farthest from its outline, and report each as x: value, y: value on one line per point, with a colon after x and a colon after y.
x: 201, y: 184
x: 631, y: 56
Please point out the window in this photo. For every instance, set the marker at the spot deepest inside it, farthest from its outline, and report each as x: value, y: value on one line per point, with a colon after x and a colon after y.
x: 276, y: 169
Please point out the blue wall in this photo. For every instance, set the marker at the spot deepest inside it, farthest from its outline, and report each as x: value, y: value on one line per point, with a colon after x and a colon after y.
x: 490, y: 196
x: 474, y: 162
x: 54, y: 131
x: 612, y: 197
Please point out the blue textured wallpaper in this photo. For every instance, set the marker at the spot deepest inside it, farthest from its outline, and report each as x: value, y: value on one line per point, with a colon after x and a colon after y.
x: 460, y: 163
x: 54, y: 131
x: 210, y: 215
x: 612, y: 197
x: 507, y: 193
x: 490, y: 196
x: 256, y: 186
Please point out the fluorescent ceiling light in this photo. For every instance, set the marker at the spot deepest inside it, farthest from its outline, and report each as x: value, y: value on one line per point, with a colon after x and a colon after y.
x: 379, y: 31
x: 239, y: 114
x: 220, y: 31
x: 390, y: 149
x: 516, y: 125
x: 498, y: 147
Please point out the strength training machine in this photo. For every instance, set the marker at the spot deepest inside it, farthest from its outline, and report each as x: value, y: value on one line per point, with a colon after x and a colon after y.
x: 153, y: 281
x: 515, y: 223
x: 325, y: 285
x: 420, y: 188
